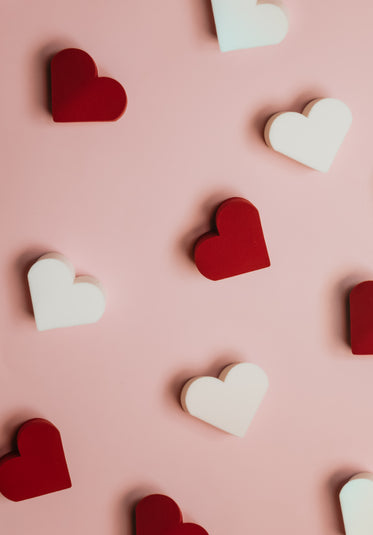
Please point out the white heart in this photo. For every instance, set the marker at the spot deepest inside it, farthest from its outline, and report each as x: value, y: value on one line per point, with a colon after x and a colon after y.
x: 312, y: 137
x: 248, y: 23
x: 228, y: 402
x: 356, y: 498
x: 59, y: 299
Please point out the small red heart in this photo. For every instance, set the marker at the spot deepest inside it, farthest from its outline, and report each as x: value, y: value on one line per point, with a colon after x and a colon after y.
x: 237, y: 246
x: 160, y: 515
x: 78, y: 94
x: 361, y: 318
x: 39, y: 467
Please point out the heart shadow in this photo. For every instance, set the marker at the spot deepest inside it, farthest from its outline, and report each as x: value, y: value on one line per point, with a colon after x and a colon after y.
x: 341, y: 301
x: 42, y: 65
x: 22, y: 266
x: 205, y: 221
x: 209, y: 17
x: 334, y: 486
x: 128, y: 504
x: 202, y: 9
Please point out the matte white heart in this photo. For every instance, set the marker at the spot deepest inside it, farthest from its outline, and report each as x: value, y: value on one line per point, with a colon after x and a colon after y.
x: 228, y: 402
x: 247, y: 23
x: 356, y: 498
x: 313, y: 137
x: 61, y: 300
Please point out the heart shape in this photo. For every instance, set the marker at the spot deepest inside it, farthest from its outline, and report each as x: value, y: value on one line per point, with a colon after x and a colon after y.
x: 248, y: 23
x: 39, y: 467
x: 78, y: 94
x: 157, y: 514
x: 238, y: 245
x: 361, y: 318
x: 229, y: 402
x: 356, y: 499
x: 313, y: 137
x: 58, y: 299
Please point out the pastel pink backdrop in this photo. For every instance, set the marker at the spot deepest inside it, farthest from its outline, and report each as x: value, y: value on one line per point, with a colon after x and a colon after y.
x: 124, y: 202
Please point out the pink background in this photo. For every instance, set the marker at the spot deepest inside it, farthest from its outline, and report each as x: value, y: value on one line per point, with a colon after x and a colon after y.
x: 124, y: 202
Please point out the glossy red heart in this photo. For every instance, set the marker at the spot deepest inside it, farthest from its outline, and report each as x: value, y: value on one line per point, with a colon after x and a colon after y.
x: 160, y: 515
x: 78, y: 94
x: 361, y: 318
x: 39, y: 467
x: 237, y: 246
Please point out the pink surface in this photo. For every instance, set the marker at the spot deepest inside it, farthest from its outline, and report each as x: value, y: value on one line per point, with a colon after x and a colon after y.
x: 124, y: 202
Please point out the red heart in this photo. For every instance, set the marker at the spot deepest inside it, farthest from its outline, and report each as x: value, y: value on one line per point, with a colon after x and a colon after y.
x: 39, y: 467
x: 159, y: 515
x: 361, y: 318
x: 237, y: 246
x: 78, y: 94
